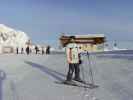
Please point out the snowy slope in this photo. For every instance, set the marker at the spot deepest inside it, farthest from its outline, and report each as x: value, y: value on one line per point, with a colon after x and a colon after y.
x: 34, y: 77
x: 12, y: 37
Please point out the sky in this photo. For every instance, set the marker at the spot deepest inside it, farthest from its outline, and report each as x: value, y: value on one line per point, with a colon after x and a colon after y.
x: 45, y: 20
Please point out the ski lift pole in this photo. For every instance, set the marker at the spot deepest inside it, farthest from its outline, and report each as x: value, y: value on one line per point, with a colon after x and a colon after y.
x: 90, y: 69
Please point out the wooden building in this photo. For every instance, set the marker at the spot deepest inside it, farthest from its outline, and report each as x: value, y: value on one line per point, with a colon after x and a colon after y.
x: 90, y: 42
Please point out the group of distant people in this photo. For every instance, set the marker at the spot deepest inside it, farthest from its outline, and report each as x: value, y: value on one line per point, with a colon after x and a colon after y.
x: 22, y: 50
x: 28, y: 50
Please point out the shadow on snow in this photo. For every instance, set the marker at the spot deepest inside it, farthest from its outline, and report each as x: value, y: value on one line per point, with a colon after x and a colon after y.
x: 56, y: 75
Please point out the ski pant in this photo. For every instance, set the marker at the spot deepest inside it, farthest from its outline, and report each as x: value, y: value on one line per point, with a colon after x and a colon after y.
x: 72, y: 68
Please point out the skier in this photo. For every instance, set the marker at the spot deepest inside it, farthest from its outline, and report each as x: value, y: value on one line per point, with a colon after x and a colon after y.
x: 17, y: 50
x: 22, y: 50
x: 42, y: 50
x: 73, y: 59
x: 48, y: 50
x: 36, y: 48
x: 27, y: 50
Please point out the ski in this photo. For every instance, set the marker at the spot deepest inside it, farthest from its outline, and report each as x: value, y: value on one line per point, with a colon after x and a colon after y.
x: 72, y: 83
x: 87, y: 83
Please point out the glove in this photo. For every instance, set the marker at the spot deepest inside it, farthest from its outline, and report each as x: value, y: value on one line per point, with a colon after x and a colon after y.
x: 80, y: 61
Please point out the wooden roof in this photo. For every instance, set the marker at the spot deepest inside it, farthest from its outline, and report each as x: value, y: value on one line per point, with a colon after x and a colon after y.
x: 83, y: 39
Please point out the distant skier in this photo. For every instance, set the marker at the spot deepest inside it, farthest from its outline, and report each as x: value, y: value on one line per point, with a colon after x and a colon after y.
x: 36, y: 48
x: 22, y: 50
x: 73, y: 59
x: 42, y: 50
x: 17, y: 50
x: 27, y: 50
x: 48, y: 50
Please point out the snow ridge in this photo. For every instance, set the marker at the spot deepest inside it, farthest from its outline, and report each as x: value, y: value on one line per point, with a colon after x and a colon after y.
x: 12, y: 37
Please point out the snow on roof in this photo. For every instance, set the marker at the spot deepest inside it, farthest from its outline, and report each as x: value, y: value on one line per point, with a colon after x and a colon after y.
x: 90, y: 35
x: 87, y: 35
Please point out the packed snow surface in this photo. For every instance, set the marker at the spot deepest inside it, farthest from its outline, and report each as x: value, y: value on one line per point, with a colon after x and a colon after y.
x: 34, y: 77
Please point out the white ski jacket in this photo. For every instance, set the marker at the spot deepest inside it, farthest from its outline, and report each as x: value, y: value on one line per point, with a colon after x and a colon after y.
x: 72, y: 53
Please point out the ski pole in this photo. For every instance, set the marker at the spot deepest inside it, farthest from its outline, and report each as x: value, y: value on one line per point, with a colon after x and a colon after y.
x: 90, y: 69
